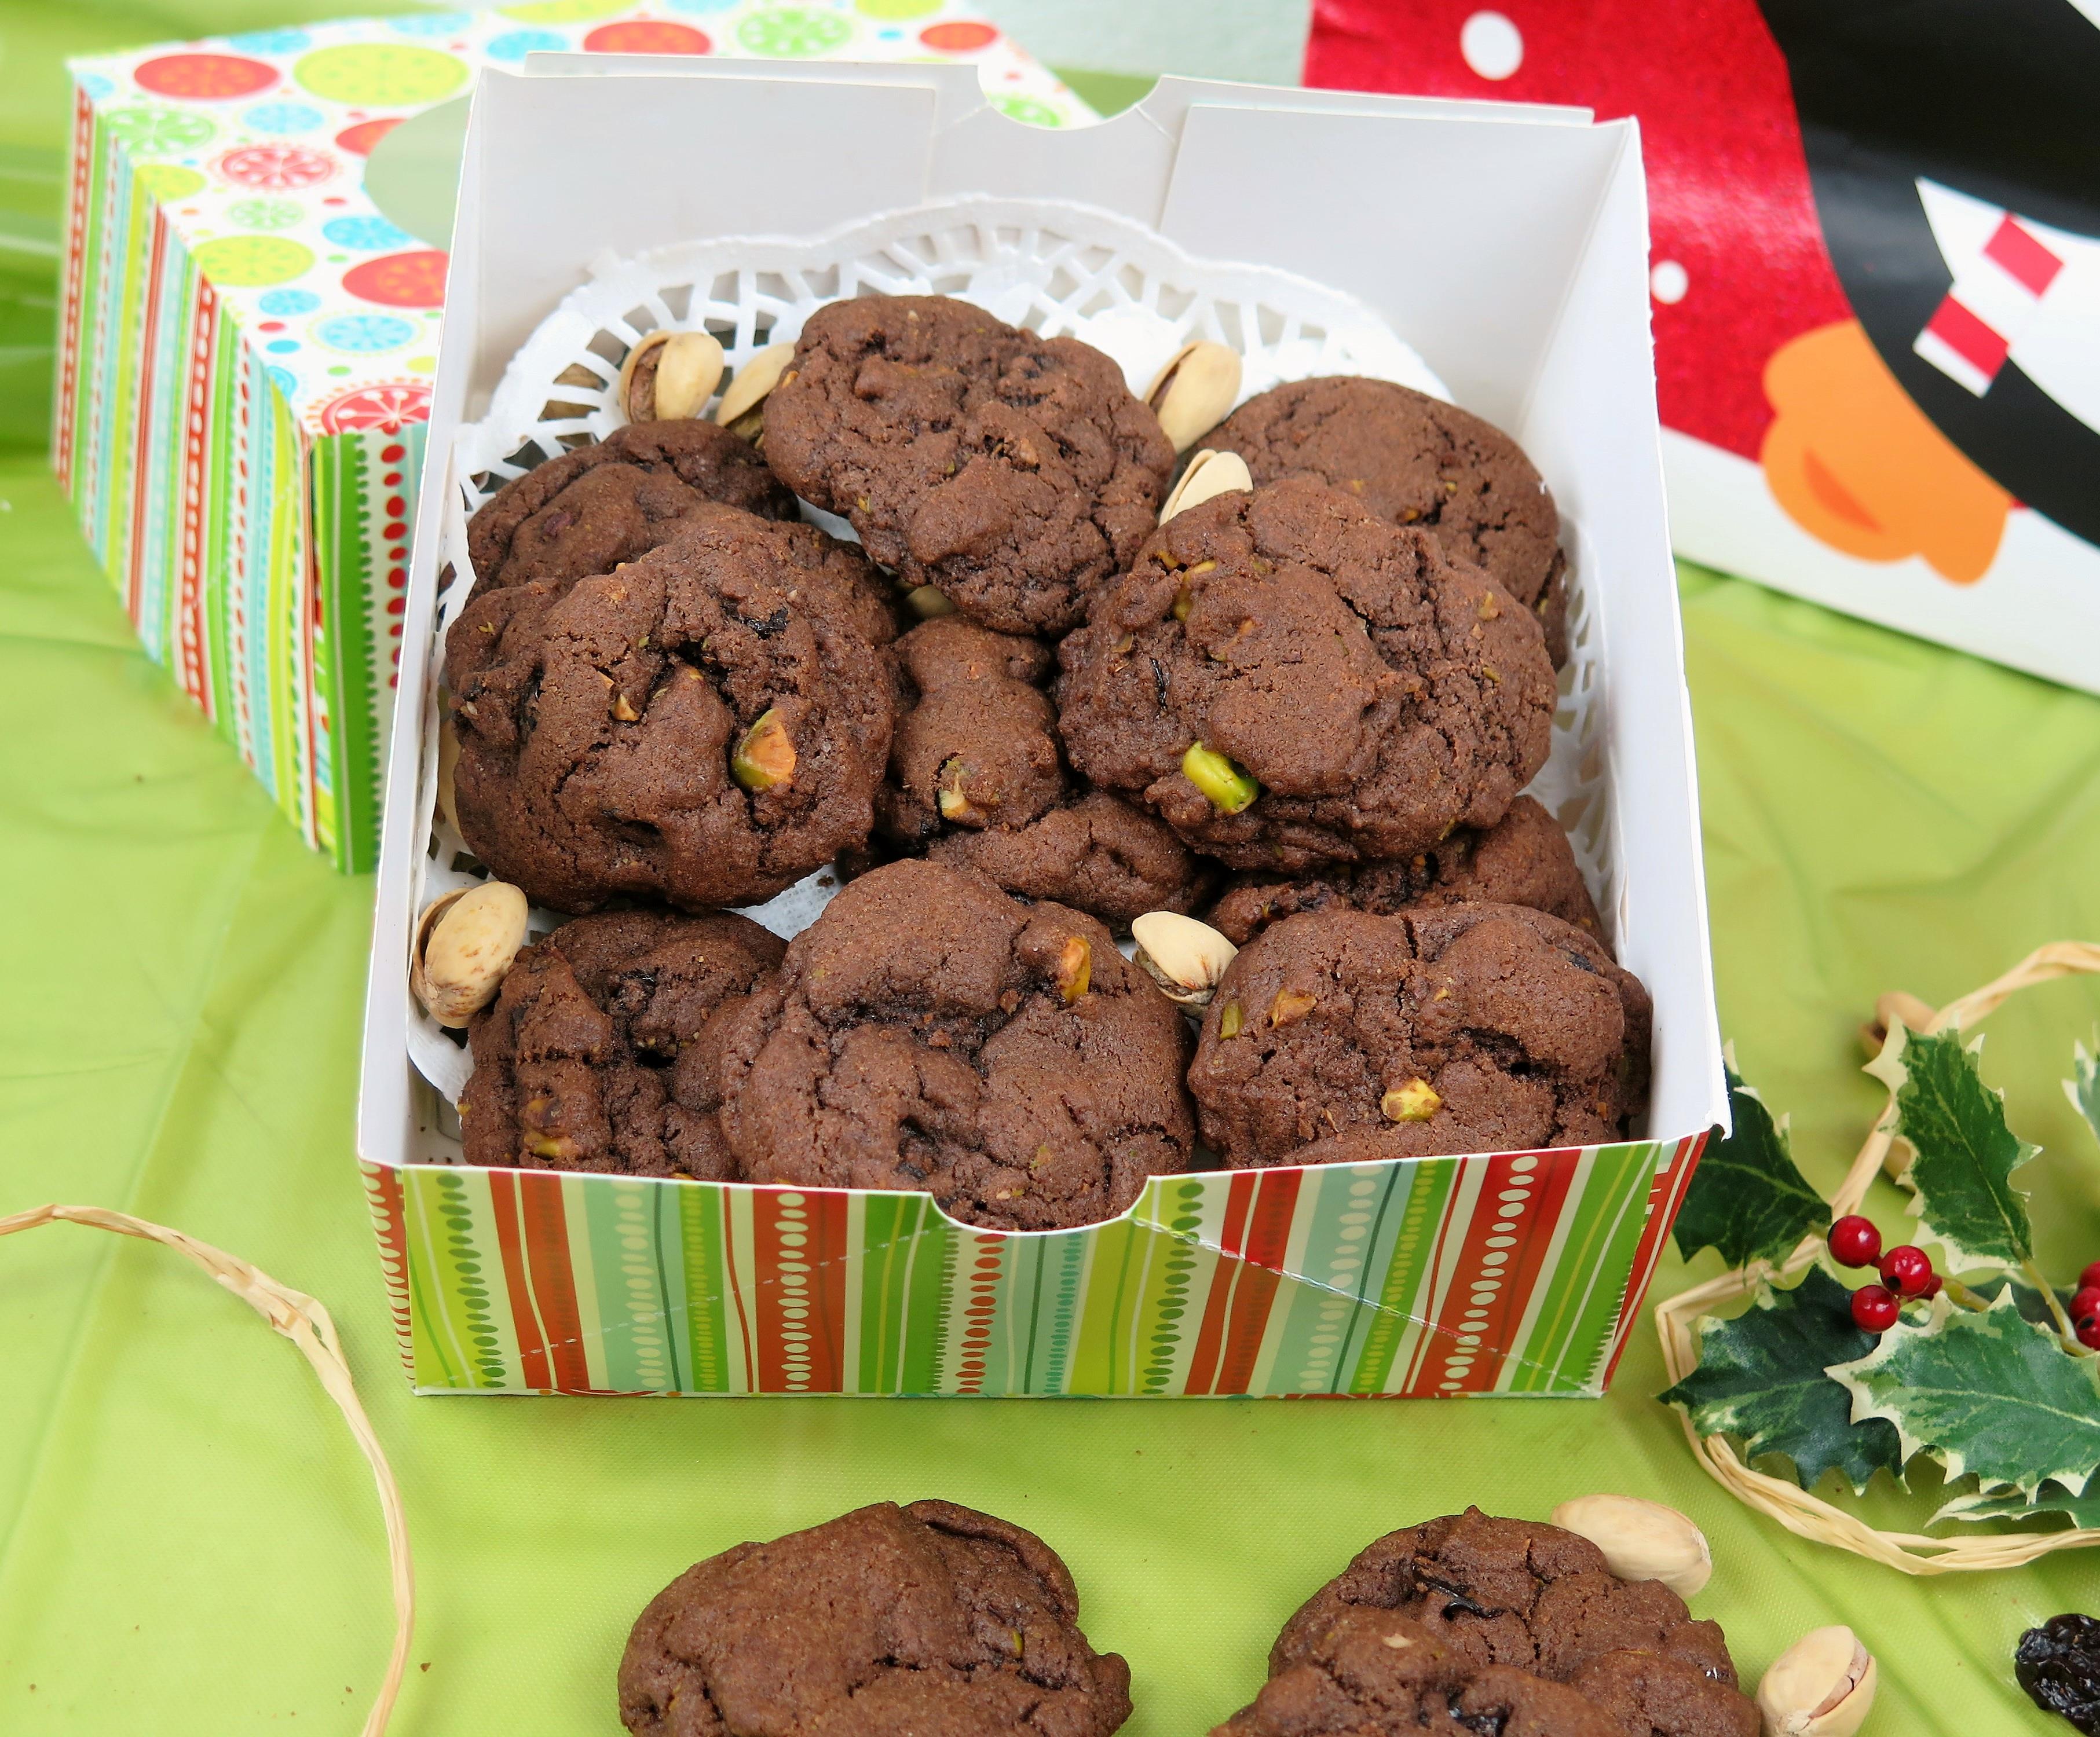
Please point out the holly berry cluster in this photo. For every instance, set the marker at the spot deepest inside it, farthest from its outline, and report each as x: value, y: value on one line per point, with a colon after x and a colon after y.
x: 1906, y: 1272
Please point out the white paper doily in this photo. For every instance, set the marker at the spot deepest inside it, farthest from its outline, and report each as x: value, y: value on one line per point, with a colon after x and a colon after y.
x: 1055, y: 267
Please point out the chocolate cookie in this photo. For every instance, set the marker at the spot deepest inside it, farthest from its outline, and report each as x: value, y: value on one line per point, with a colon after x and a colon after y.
x: 1289, y: 680
x: 976, y: 778
x: 1016, y: 472
x: 1469, y: 1624
x: 1414, y: 459
x: 589, y: 1058
x: 928, y: 1032
x: 1524, y: 858
x: 931, y: 1620
x: 705, y: 726
x: 1340, y: 1036
x: 590, y: 509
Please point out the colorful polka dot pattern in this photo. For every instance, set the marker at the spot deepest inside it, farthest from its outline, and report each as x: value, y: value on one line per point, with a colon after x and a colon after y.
x: 254, y: 146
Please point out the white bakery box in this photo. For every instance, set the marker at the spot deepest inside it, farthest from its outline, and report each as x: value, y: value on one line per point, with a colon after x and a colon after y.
x: 1319, y: 233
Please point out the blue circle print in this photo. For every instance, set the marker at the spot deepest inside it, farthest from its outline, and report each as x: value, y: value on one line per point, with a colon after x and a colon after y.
x: 282, y: 347
x: 284, y: 379
x: 281, y: 303
x: 270, y: 42
x: 94, y: 85
x: 282, y: 118
x: 702, y: 6
x: 362, y: 335
x: 373, y: 233
x: 431, y: 23
x: 514, y: 45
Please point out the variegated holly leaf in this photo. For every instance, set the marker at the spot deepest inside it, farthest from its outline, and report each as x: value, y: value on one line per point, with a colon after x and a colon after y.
x: 1747, y: 1199
x: 1965, y: 1153
x: 1761, y: 1377
x: 1997, y: 1505
x: 2082, y: 1088
x: 1984, y: 1391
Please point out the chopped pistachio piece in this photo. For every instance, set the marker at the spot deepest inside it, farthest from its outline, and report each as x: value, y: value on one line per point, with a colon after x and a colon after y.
x: 1289, y: 1006
x: 1228, y: 787
x: 1416, y: 1101
x: 1230, y: 1020
x: 765, y: 757
x: 1075, y: 968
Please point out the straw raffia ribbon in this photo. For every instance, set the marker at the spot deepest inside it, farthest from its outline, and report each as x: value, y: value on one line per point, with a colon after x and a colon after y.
x: 1676, y: 1320
x: 306, y: 1323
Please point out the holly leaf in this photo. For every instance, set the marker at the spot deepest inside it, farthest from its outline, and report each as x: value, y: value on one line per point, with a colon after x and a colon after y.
x: 1747, y: 1199
x: 1986, y: 1391
x: 2082, y: 1088
x: 1966, y: 1155
x: 1996, y: 1505
x: 1761, y: 1377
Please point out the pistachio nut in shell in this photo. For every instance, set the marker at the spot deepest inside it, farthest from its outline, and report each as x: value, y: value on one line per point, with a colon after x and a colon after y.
x: 1186, y: 958
x: 466, y: 943
x: 1209, y: 474
x: 1641, y: 1540
x: 1822, y: 1686
x: 745, y: 395
x: 1194, y: 391
x: 669, y: 375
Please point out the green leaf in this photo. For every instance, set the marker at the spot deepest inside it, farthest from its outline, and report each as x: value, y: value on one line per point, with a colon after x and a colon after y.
x: 1761, y: 1377
x: 1747, y: 1199
x: 2082, y: 1088
x: 1987, y: 1392
x: 1996, y: 1505
x: 1966, y: 1154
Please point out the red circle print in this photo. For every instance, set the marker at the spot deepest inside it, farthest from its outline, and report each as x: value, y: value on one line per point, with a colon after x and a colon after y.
x: 206, y: 78
x: 359, y: 140
x: 962, y: 36
x: 390, y: 406
x: 276, y: 169
x: 647, y: 36
x: 415, y: 280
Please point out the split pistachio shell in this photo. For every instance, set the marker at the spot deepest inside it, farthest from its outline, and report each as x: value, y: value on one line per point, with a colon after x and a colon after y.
x: 464, y: 944
x: 1822, y: 1686
x: 448, y: 753
x: 1184, y: 957
x: 688, y: 367
x: 1208, y: 473
x: 1194, y: 392
x: 748, y: 387
x: 1641, y: 1540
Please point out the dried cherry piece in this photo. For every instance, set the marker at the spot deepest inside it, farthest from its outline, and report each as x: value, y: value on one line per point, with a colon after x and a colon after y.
x: 2059, y: 1664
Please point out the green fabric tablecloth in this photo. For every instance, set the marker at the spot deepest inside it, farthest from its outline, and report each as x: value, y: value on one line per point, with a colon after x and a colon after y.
x: 188, y: 1542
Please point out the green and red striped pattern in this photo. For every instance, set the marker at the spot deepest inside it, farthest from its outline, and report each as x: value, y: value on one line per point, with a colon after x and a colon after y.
x: 1517, y: 1273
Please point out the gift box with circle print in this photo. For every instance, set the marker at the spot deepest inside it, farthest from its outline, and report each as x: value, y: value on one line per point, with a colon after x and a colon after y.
x: 1284, y: 223
x: 255, y: 268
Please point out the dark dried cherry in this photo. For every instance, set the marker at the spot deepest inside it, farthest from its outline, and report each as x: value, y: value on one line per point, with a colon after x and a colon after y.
x: 2059, y: 1664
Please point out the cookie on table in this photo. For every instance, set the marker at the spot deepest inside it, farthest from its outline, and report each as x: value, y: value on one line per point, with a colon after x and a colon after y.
x: 1470, y: 1624
x: 1414, y: 460
x: 931, y: 1619
x: 1524, y: 858
x: 589, y: 1058
x: 1017, y: 474
x: 705, y: 726
x: 928, y: 1032
x: 1341, y: 691
x: 976, y: 778
x: 590, y: 509
x: 1338, y: 1036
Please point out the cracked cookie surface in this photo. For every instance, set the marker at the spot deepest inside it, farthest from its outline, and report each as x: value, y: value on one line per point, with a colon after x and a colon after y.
x: 1471, y: 1626
x: 1015, y: 473
x: 704, y: 727
x: 928, y: 1032
x: 1337, y: 1036
x: 932, y: 1620
x: 1414, y: 460
x: 1377, y: 694
x: 590, y: 1057
x: 1524, y: 858
x: 613, y: 500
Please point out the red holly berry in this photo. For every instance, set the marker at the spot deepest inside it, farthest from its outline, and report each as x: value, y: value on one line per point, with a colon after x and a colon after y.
x: 1874, y: 1308
x: 2086, y: 1302
x: 2089, y: 1331
x: 1905, y: 1269
x: 1932, y: 1285
x: 2090, y: 1276
x: 1854, y: 1241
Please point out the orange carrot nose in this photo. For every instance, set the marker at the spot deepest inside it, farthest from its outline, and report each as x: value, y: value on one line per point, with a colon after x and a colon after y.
x: 1857, y: 465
